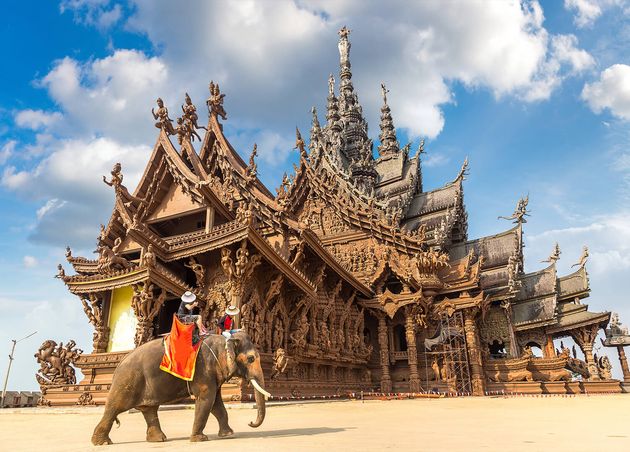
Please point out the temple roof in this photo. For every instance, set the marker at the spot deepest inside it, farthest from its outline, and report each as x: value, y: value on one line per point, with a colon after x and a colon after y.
x: 572, y: 315
x: 574, y: 285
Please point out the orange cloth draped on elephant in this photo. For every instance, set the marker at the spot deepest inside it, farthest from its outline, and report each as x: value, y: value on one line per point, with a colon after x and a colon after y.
x: 180, y: 354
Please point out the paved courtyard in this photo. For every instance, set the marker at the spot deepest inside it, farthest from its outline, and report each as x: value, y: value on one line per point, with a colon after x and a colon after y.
x: 487, y: 424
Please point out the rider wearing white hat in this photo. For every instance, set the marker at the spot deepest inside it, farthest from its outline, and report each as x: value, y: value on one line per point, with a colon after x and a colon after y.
x: 185, y: 311
x: 226, y: 323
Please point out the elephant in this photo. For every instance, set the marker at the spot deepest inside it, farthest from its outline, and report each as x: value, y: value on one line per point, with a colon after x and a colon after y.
x: 139, y: 383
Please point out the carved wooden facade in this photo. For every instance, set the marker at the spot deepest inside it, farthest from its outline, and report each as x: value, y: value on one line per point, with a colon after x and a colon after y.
x: 342, y: 276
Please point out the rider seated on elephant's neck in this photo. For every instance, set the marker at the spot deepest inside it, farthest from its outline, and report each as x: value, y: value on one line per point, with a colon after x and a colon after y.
x: 226, y: 323
x: 186, y: 312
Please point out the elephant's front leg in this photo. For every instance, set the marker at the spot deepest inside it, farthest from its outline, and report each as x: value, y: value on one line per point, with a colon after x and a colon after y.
x: 219, y: 411
x: 154, y: 431
x: 203, y: 405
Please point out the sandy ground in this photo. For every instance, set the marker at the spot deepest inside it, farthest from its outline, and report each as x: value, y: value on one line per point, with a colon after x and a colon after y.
x: 489, y: 424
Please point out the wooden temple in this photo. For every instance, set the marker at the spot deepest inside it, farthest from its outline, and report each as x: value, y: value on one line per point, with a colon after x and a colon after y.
x: 351, y: 277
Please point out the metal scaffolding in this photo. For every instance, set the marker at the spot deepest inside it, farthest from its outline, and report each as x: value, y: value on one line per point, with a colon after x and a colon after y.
x: 453, y: 354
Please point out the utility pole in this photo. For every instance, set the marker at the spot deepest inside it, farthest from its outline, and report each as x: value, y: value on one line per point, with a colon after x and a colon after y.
x: 6, y: 378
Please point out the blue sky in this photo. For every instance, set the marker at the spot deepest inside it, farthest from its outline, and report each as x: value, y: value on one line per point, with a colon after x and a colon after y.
x: 537, y: 95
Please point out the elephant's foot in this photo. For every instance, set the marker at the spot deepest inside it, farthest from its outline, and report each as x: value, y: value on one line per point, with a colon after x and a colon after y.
x: 155, y: 435
x: 226, y: 433
x: 198, y: 438
x: 100, y: 441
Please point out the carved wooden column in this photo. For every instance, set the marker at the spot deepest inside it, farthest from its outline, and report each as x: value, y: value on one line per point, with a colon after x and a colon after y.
x: 585, y: 337
x: 386, y: 380
x: 94, y: 309
x: 145, y: 306
x: 549, y: 351
x: 412, y: 351
x: 474, y: 352
x: 209, y: 218
x: 624, y: 363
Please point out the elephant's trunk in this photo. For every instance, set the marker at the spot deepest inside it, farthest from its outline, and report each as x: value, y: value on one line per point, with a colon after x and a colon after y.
x: 259, y: 393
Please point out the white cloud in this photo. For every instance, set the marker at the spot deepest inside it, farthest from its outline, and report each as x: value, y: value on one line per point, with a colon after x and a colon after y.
x: 36, y: 119
x: 611, y: 91
x: 586, y: 11
x: 93, y: 12
x: 285, y: 49
x: 7, y: 150
x: 69, y: 181
x: 272, y: 73
x: 30, y: 261
x: 111, y: 96
x: 433, y: 160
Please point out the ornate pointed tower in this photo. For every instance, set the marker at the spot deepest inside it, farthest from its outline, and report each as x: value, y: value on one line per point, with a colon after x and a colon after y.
x: 356, y: 146
x: 389, y: 143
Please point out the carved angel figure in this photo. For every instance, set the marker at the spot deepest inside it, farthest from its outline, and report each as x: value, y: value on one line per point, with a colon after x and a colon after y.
x: 280, y: 363
x: 198, y: 270
x: 120, y: 189
x: 148, y: 257
x: 298, y: 337
x: 161, y: 116
x: 215, y: 101
x: 190, y: 113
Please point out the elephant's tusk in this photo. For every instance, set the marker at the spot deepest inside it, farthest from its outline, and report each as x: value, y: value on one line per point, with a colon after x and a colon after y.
x: 260, y: 389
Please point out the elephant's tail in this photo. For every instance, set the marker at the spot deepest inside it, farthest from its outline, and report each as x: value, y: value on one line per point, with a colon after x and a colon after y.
x: 117, y: 422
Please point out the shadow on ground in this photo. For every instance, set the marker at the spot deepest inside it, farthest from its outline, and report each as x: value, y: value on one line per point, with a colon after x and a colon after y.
x: 259, y: 434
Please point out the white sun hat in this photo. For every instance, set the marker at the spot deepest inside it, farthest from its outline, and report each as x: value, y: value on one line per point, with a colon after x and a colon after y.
x: 189, y: 297
x: 232, y: 310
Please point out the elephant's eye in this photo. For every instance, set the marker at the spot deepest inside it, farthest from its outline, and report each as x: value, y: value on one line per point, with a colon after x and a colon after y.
x: 250, y: 359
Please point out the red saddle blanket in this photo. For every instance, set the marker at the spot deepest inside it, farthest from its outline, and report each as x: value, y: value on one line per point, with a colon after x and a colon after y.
x: 180, y: 354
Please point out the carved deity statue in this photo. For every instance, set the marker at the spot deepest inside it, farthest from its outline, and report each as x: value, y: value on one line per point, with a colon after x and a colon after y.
x: 161, y: 116
x: 280, y: 363
x: 298, y: 337
x: 56, y: 363
x: 198, y: 270
x: 190, y: 114
x: 121, y: 191
x: 215, y: 101
x: 344, y: 46
x: 61, y: 273
x: 148, y: 257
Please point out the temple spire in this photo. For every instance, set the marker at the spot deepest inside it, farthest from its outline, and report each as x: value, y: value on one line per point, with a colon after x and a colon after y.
x: 332, y: 108
x: 344, y: 55
x: 389, y: 145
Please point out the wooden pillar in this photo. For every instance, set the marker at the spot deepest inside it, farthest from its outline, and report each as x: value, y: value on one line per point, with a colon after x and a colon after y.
x: 624, y: 363
x: 585, y: 337
x: 386, y: 380
x: 474, y: 353
x: 550, y: 350
x: 209, y: 218
x: 412, y: 351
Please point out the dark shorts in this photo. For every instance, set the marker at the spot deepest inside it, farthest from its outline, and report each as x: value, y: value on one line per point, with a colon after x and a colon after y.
x: 188, y: 318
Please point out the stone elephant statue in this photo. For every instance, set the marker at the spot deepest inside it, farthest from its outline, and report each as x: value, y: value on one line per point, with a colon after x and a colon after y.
x: 138, y: 382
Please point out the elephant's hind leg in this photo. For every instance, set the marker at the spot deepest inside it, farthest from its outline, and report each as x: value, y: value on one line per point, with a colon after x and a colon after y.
x: 101, y: 432
x: 154, y: 431
x: 219, y: 411
x: 203, y: 405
